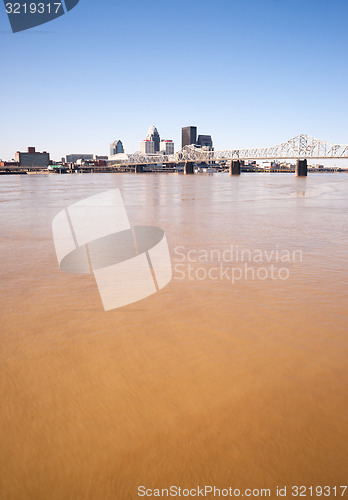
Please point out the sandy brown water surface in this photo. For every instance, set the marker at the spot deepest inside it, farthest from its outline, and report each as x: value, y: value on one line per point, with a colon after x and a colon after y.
x: 205, y: 382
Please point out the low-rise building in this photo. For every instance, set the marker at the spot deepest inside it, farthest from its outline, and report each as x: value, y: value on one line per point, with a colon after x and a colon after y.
x: 9, y: 164
x: 32, y: 159
x: 72, y: 158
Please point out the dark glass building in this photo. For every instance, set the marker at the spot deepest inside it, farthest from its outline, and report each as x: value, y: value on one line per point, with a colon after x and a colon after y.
x: 116, y: 148
x: 188, y: 136
x: 205, y: 141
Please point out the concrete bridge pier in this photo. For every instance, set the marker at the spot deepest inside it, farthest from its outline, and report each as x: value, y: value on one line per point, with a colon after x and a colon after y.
x: 301, y: 168
x: 189, y: 168
x: 139, y: 169
x: 235, y: 167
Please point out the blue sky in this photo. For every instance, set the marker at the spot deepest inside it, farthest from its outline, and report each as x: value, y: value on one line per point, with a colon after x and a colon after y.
x: 248, y: 72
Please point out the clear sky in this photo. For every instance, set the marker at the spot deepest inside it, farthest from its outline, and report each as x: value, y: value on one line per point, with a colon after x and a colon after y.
x: 248, y: 72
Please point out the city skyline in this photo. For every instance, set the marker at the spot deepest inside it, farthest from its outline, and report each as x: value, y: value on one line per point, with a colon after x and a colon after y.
x: 329, y: 155
x: 266, y: 84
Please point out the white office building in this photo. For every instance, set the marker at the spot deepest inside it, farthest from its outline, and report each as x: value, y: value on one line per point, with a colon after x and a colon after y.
x: 147, y: 147
x: 167, y: 147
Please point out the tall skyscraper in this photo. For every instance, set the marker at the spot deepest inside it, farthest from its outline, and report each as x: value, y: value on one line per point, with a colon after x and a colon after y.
x: 116, y: 148
x: 188, y: 136
x: 154, y: 136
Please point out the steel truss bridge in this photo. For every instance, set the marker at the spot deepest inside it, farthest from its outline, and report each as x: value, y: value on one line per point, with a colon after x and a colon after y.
x: 300, y: 147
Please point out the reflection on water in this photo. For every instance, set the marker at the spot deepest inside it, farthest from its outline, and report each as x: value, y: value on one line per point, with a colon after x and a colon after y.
x: 205, y: 382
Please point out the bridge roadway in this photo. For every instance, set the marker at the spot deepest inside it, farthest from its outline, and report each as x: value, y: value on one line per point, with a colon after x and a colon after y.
x: 300, y: 148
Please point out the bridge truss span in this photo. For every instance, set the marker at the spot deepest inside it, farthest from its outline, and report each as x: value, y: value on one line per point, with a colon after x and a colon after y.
x: 299, y: 147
